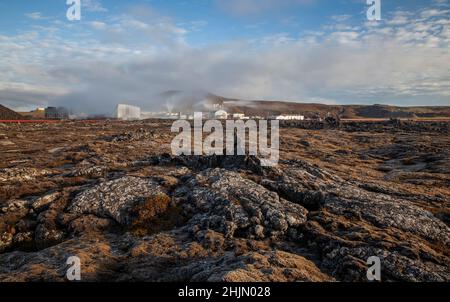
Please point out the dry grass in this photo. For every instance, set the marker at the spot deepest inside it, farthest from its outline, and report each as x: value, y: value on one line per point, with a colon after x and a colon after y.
x: 20, y: 190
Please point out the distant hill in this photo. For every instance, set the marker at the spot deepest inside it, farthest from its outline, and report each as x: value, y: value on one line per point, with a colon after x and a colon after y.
x: 8, y: 114
x: 267, y: 108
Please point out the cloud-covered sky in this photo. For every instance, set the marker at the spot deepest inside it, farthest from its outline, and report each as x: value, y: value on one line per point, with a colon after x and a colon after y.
x: 293, y: 50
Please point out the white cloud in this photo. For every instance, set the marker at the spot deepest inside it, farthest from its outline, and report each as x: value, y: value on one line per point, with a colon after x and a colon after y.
x: 399, y: 18
x: 98, y: 25
x: 429, y: 13
x: 133, y: 58
x: 35, y: 16
x: 194, y: 26
x: 93, y: 6
x: 341, y: 18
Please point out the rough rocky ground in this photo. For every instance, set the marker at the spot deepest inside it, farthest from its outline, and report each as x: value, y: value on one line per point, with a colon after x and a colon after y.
x: 111, y: 194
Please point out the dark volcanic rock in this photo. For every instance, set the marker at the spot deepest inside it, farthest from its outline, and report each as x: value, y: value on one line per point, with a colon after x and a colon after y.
x: 115, y: 199
x: 387, y: 212
x: 44, y: 201
x: 226, y: 202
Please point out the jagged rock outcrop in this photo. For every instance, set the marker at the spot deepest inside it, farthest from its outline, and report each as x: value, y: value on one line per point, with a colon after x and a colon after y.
x: 21, y: 174
x: 116, y: 199
x: 385, y: 212
x: 226, y: 202
x: 44, y: 201
x: 140, y: 134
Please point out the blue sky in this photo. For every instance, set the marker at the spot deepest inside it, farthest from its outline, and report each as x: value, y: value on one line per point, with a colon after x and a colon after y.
x: 218, y: 21
x: 295, y: 50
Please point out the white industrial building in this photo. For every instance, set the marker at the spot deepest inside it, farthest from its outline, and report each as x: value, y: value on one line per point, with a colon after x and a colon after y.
x: 221, y: 115
x: 290, y: 117
x: 161, y: 115
x: 128, y: 112
x: 239, y: 116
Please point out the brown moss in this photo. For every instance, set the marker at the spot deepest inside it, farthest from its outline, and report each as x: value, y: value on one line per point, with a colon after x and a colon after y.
x: 151, y: 207
x: 24, y: 189
x: 6, y: 192
x: 77, y: 156
x: 58, y: 163
x: 154, y: 215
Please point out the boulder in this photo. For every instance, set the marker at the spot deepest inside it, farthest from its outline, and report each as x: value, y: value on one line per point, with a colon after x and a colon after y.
x: 226, y: 202
x: 44, y: 201
x: 116, y: 199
